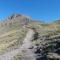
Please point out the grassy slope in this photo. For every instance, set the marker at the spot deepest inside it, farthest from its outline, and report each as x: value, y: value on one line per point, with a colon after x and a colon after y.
x: 42, y: 29
x: 11, y: 37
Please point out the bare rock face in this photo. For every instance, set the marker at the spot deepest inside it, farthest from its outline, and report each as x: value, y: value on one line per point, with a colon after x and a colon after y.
x: 23, y: 20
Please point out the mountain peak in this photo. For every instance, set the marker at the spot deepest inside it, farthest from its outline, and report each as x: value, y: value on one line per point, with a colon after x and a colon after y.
x: 14, y: 16
x: 57, y: 21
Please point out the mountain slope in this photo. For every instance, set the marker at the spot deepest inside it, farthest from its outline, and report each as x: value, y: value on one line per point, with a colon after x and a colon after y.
x: 25, y: 46
x: 13, y: 30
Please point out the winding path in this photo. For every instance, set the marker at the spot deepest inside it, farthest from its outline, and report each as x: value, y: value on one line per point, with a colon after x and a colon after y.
x: 26, y: 45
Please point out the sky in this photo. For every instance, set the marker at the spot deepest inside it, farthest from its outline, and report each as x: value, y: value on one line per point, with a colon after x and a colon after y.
x: 44, y: 10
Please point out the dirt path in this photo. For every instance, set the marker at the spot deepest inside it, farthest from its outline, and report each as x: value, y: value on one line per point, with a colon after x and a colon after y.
x: 26, y: 45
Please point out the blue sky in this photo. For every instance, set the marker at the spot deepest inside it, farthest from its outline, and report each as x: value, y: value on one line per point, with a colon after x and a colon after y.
x: 45, y: 10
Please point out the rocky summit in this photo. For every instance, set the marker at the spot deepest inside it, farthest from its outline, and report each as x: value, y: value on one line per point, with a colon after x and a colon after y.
x: 22, y: 38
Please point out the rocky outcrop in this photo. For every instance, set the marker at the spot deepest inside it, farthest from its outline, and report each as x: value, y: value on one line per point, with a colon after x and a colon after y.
x: 23, y: 20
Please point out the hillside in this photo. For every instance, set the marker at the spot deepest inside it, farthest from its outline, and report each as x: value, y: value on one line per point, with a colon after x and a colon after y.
x: 44, y: 44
